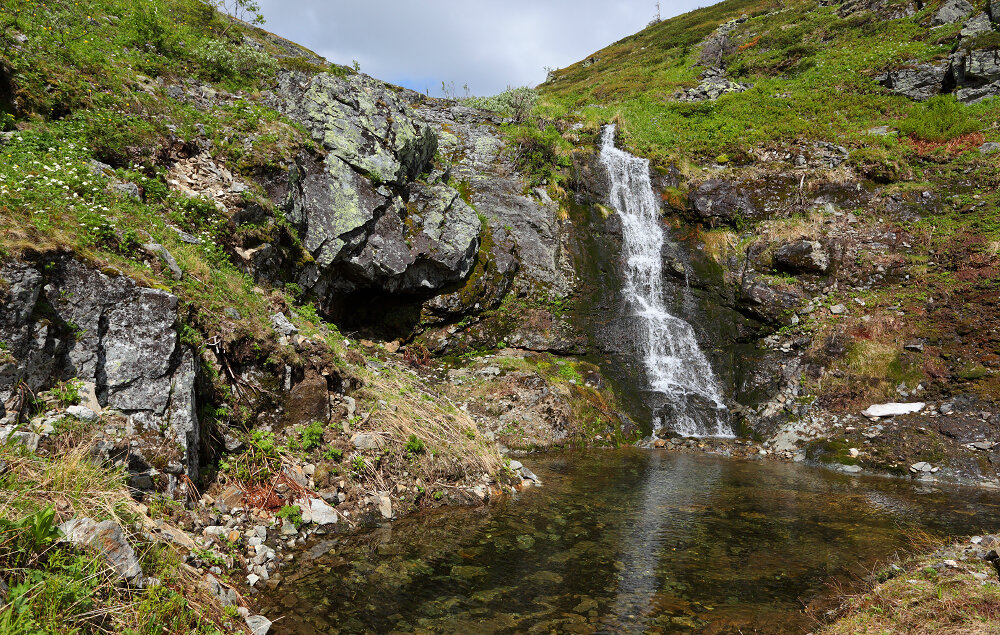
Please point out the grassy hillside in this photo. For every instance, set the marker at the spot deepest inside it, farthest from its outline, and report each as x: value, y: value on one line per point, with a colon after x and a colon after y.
x: 812, y: 74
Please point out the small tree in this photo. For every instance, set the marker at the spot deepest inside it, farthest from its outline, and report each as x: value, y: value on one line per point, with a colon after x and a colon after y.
x: 245, y: 10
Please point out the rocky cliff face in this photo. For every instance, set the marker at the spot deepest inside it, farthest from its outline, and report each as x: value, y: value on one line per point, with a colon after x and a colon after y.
x: 69, y: 321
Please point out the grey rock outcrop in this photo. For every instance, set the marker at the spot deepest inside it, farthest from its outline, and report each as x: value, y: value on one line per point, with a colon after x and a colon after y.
x: 498, y: 192
x: 977, y: 73
x: 717, y: 46
x: 977, y: 25
x: 919, y: 82
x: 360, y: 213
x: 76, y: 322
x: 712, y: 85
x: 952, y: 11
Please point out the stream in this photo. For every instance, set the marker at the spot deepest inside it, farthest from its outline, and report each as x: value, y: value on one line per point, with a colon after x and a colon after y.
x: 624, y: 541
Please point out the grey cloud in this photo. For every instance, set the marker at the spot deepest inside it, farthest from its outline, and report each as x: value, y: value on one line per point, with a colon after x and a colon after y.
x: 487, y: 45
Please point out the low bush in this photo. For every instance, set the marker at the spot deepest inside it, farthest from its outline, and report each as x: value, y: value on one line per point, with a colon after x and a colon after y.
x: 223, y: 59
x: 941, y: 118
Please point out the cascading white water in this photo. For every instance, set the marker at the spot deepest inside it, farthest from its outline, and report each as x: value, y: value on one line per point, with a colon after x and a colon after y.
x: 675, y: 366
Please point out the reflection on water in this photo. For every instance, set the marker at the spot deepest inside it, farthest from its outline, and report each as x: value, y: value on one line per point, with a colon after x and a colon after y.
x: 624, y: 541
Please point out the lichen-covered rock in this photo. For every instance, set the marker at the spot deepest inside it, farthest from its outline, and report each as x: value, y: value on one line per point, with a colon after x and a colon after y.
x: 977, y: 25
x: 952, y: 11
x: 359, y: 120
x: 359, y: 212
x: 76, y: 322
x: 919, y: 81
x: 497, y: 191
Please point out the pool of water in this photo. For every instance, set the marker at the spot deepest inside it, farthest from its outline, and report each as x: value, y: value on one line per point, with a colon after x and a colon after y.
x: 624, y: 541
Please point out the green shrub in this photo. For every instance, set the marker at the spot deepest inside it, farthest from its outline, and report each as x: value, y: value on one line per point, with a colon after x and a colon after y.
x: 333, y: 454
x: 358, y: 464
x: 941, y: 118
x: 291, y: 513
x: 414, y: 445
x: 223, y: 59
x: 312, y: 436
x: 537, y: 151
x: 66, y: 393
x: 513, y: 102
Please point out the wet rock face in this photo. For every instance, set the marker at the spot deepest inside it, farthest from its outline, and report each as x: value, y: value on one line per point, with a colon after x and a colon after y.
x: 76, y: 322
x: 721, y: 202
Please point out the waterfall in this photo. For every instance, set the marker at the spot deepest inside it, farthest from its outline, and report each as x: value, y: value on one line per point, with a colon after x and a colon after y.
x: 676, y: 368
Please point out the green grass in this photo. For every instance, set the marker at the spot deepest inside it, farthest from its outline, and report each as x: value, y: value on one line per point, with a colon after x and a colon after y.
x: 813, y: 76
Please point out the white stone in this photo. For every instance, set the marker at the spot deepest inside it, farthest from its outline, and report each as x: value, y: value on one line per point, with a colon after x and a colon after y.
x: 385, y: 506
x: 259, y: 625
x: 322, y: 514
x: 82, y: 413
x: 893, y: 409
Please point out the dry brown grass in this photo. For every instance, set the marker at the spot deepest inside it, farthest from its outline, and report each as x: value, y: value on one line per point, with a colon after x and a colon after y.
x: 413, y: 407
x: 919, y: 599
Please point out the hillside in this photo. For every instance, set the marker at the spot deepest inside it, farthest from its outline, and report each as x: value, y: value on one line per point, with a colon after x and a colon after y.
x: 216, y: 249
x: 250, y: 298
x: 845, y: 159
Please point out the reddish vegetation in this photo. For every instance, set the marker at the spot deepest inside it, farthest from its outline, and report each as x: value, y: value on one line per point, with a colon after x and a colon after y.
x: 958, y: 145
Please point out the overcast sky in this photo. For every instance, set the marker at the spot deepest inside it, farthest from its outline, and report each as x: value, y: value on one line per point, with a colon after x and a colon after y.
x: 487, y: 44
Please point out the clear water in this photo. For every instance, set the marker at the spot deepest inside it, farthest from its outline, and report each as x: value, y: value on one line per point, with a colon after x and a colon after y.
x: 623, y: 541
x: 675, y: 365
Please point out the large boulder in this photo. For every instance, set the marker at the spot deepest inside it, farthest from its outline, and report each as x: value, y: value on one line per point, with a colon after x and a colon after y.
x: 977, y: 73
x: 919, y: 82
x: 764, y: 302
x: 802, y: 256
x: 76, y: 322
x: 721, y: 202
x: 430, y: 245
x: 358, y: 211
